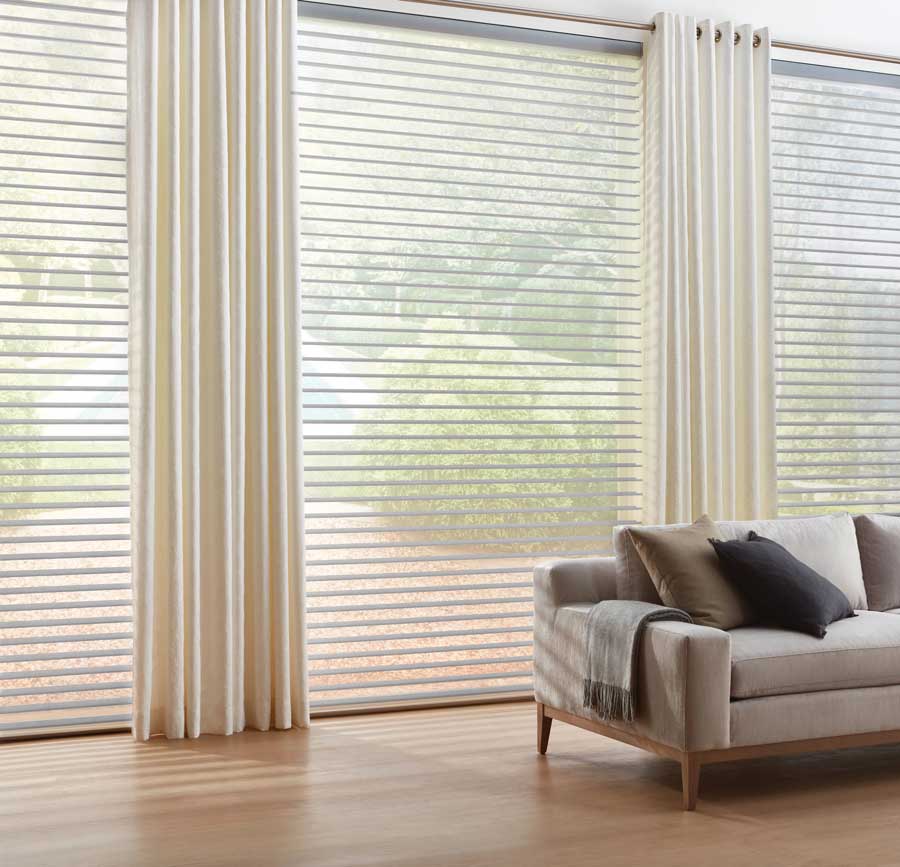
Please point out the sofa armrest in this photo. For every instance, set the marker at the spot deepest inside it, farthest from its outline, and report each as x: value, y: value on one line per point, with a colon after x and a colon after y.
x: 562, y: 582
x: 684, y: 678
x: 685, y: 685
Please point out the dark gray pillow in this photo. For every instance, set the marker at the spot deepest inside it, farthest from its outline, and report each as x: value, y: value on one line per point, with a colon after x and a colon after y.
x: 781, y: 589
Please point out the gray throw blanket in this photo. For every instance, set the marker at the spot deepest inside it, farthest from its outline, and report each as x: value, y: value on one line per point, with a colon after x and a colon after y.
x: 614, y: 630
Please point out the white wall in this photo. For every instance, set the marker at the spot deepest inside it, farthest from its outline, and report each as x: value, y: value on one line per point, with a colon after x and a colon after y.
x: 861, y: 25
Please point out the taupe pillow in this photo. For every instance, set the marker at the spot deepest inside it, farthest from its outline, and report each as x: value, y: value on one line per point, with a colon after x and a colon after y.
x: 685, y: 571
x: 879, y: 551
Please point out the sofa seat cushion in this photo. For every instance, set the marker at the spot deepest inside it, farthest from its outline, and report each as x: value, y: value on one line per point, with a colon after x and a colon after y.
x: 858, y: 652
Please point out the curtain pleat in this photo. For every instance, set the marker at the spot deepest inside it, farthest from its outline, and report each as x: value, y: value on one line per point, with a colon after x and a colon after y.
x: 214, y: 368
x: 709, y: 425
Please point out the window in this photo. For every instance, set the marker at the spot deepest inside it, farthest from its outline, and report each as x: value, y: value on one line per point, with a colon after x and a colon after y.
x: 837, y: 282
x: 65, y: 649
x: 471, y: 238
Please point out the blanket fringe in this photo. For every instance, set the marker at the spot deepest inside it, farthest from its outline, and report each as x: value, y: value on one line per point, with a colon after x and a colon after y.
x: 609, y: 701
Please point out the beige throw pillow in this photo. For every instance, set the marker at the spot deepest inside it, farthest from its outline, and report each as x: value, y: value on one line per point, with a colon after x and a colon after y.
x: 685, y: 571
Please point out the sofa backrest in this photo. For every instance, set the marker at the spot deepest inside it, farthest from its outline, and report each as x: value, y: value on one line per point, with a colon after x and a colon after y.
x: 827, y: 543
x: 878, y: 537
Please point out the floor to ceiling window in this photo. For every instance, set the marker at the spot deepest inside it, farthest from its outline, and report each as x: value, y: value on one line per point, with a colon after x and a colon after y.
x: 471, y: 213
x: 471, y: 236
x: 837, y: 280
x: 65, y: 642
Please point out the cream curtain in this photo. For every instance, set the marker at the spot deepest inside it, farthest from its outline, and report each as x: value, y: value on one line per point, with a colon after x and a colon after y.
x: 214, y: 367
x: 709, y: 349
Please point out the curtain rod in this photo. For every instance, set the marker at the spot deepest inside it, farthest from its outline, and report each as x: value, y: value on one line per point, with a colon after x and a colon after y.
x: 635, y: 25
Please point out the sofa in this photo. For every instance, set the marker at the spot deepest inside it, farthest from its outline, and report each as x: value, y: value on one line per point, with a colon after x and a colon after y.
x: 711, y: 695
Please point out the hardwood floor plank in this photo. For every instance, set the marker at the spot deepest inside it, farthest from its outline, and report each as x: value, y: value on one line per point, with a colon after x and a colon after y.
x: 442, y: 788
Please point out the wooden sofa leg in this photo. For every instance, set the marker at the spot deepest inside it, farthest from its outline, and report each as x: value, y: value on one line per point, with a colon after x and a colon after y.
x: 690, y: 781
x: 543, y: 729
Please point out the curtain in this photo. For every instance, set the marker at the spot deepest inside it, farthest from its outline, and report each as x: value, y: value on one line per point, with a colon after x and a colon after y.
x: 214, y: 367
x: 709, y: 426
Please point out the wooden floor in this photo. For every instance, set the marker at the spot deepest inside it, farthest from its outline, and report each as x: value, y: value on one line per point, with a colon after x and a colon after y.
x: 433, y: 789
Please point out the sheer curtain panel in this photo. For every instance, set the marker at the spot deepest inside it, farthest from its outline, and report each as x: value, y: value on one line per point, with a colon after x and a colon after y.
x: 709, y: 433
x: 214, y: 368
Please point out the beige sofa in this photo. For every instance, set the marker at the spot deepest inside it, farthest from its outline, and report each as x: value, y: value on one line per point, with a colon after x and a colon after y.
x: 707, y: 695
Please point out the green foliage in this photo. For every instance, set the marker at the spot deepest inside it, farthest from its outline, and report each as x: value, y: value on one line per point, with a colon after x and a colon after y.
x: 442, y: 453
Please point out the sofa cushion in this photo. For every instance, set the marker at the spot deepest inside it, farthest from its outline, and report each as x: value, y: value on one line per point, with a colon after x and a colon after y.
x: 879, y: 552
x: 810, y: 715
x: 825, y: 543
x: 687, y: 574
x: 859, y: 652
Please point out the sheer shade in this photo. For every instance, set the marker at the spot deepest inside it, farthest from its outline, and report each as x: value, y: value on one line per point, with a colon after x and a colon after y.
x: 837, y: 231
x: 471, y: 330
x: 65, y: 590
x: 709, y: 428
x: 216, y: 504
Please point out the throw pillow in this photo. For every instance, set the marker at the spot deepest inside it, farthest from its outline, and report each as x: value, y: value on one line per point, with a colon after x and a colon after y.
x: 782, y: 590
x: 687, y: 575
